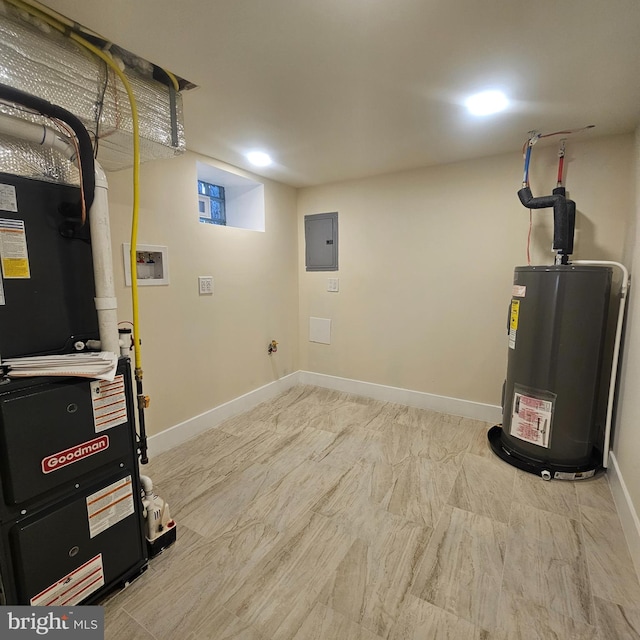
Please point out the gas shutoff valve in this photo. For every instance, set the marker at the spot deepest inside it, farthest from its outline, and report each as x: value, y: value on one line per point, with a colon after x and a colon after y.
x: 273, y: 347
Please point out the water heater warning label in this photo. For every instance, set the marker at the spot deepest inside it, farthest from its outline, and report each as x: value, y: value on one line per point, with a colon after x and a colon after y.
x: 513, y: 323
x: 531, y: 419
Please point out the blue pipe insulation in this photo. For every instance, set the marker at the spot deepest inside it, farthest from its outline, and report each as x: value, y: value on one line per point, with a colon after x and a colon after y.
x: 527, y: 160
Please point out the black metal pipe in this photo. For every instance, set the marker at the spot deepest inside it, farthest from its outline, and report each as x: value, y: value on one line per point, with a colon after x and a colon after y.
x: 571, y: 223
x: 85, y: 159
x: 558, y: 202
x: 142, y: 402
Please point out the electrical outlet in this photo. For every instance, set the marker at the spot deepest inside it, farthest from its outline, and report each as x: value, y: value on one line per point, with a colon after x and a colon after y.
x: 333, y: 284
x: 205, y: 285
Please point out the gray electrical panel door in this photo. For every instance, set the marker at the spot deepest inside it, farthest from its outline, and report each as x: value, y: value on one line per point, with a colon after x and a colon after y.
x: 321, y: 241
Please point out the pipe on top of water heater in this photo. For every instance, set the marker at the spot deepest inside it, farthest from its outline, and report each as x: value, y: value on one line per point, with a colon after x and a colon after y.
x: 564, y: 210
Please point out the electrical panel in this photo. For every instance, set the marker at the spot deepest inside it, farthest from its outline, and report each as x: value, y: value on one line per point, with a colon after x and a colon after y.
x: 321, y: 241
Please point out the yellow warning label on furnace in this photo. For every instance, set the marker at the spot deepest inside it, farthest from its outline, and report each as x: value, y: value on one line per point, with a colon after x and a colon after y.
x: 515, y: 312
x: 13, y: 249
x: 15, y: 267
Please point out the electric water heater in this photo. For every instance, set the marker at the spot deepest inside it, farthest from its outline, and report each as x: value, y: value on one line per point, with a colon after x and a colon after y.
x: 556, y: 326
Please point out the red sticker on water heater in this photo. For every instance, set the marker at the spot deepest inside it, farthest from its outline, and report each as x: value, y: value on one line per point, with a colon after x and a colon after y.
x: 73, y: 454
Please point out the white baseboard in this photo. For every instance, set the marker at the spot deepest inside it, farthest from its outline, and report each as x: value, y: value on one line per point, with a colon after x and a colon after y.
x: 188, y: 429
x: 418, y: 399
x: 626, y: 510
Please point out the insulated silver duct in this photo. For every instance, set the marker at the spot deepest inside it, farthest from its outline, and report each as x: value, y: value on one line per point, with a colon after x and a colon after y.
x: 43, y: 62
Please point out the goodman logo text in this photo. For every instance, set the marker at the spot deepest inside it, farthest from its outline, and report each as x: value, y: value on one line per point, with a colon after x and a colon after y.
x: 73, y: 454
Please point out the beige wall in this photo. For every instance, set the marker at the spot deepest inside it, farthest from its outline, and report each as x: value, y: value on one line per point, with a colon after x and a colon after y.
x: 426, y: 262
x: 626, y: 437
x: 199, y: 352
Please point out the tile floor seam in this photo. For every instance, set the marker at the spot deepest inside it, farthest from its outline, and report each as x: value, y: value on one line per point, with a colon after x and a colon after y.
x: 414, y: 570
x: 596, y: 618
x: 453, y: 484
x: 594, y: 612
x: 506, y: 549
x: 237, y: 617
x: 142, y: 626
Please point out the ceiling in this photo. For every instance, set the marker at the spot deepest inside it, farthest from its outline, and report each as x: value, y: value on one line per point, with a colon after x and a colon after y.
x: 339, y: 89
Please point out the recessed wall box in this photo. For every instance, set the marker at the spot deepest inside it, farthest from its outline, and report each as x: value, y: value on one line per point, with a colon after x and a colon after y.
x: 152, y: 264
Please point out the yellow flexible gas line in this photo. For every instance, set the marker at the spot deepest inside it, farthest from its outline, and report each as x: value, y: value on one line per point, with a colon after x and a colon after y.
x: 58, y: 17
x: 174, y: 80
x: 136, y: 196
x: 136, y: 160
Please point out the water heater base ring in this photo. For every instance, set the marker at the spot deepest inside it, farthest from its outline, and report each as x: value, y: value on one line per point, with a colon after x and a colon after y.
x: 545, y: 470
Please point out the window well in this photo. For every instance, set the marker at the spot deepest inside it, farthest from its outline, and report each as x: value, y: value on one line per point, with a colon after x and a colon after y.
x: 230, y: 200
x: 211, y: 203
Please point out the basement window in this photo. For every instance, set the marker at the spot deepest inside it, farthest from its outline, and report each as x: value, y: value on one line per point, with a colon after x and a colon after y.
x: 228, y: 199
x: 211, y: 203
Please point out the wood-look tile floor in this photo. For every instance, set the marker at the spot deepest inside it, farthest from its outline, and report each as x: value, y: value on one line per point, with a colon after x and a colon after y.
x: 324, y: 516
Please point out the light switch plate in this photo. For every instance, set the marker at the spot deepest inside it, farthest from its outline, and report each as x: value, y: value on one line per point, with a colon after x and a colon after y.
x: 205, y: 285
x: 333, y: 284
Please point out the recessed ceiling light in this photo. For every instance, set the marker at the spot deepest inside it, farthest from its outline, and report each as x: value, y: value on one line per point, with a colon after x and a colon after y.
x: 259, y: 158
x: 487, y: 102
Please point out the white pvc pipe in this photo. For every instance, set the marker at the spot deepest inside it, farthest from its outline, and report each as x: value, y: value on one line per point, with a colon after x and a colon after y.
x: 147, y: 485
x: 38, y: 134
x: 624, y: 287
x: 105, y: 300
x: 96, y: 345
